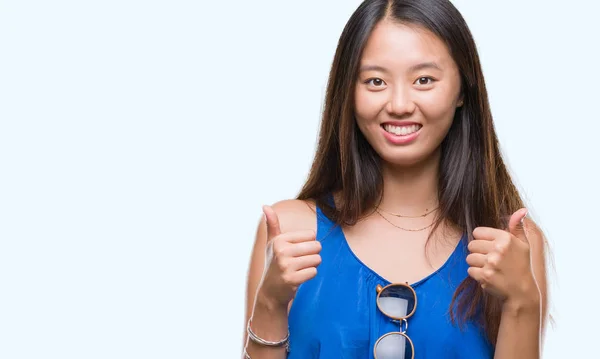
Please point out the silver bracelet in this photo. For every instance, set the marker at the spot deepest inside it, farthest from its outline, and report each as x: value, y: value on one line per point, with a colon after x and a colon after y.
x: 258, y: 340
x: 247, y: 356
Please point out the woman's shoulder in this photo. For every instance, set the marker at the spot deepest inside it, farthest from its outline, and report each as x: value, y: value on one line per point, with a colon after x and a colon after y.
x: 296, y: 214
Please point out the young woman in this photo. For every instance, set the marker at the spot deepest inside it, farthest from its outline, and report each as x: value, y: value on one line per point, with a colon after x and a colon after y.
x: 409, y: 239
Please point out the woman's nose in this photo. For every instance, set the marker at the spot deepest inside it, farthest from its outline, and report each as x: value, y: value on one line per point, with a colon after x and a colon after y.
x: 400, y: 102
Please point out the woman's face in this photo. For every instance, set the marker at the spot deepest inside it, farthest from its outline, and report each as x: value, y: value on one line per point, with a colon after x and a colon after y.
x: 407, y: 91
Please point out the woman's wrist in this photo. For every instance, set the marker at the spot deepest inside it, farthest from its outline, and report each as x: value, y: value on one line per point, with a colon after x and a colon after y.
x: 270, y: 304
x: 269, y: 318
x: 527, y: 304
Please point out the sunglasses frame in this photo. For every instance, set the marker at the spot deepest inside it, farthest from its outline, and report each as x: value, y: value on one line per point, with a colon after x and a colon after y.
x: 380, y: 289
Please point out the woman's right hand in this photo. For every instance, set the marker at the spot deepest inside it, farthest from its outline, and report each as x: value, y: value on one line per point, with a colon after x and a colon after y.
x: 291, y: 259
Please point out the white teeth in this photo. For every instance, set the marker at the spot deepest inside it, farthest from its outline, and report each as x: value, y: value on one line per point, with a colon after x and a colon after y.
x: 401, y: 130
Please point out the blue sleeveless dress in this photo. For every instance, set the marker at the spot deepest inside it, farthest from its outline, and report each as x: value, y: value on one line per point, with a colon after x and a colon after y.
x: 334, y: 315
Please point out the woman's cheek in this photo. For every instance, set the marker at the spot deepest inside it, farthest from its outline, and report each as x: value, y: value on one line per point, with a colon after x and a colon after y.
x: 368, y: 106
x: 437, y: 108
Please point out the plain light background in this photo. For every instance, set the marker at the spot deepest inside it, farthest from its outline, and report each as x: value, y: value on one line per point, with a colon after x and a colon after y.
x: 139, y: 139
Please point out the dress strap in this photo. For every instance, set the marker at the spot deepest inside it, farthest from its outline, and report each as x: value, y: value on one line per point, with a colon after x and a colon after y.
x: 325, y: 226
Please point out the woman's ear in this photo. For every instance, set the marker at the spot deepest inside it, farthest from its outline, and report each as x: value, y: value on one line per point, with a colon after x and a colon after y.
x: 460, y: 101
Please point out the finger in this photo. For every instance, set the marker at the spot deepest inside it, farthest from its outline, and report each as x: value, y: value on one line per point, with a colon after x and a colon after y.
x: 303, y: 275
x: 515, y: 225
x: 481, y: 246
x: 299, y: 236
x: 476, y: 260
x: 272, y: 222
x: 304, y: 249
x: 476, y: 273
x: 487, y: 233
x: 493, y: 260
x: 303, y: 262
x: 482, y: 275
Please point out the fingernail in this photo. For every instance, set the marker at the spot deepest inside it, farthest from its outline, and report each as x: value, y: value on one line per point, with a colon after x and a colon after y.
x: 524, y: 215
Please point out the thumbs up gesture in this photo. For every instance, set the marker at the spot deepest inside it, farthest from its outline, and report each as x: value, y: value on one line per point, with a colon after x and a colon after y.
x: 500, y: 260
x: 291, y: 259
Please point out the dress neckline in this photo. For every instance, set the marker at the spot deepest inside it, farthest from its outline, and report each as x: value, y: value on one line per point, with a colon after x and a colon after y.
x: 385, y: 281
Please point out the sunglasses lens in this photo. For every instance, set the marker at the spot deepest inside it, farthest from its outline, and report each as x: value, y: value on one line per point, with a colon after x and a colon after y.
x: 397, y: 301
x: 393, y: 346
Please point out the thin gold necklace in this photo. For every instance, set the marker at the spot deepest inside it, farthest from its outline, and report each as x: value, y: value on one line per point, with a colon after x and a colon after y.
x: 405, y: 229
x: 400, y: 215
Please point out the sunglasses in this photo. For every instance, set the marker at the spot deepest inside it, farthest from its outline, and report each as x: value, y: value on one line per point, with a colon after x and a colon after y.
x: 396, y: 301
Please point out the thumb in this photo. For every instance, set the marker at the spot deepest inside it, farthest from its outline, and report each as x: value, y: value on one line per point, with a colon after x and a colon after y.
x: 272, y: 222
x: 516, y: 222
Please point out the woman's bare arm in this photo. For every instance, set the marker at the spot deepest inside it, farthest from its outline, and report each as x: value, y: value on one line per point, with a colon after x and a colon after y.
x: 523, y: 323
x: 270, y: 318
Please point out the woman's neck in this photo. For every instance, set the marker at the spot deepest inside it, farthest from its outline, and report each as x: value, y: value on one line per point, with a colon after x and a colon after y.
x: 411, y: 190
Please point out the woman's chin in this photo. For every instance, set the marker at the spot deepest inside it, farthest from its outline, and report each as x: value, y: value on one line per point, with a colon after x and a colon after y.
x: 401, y: 162
x: 405, y: 158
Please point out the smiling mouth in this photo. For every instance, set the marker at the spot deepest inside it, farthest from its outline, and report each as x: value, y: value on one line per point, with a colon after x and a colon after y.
x: 401, y: 130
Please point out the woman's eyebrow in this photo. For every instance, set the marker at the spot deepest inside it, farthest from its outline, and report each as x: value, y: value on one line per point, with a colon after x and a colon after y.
x: 373, y: 68
x: 417, y: 67
x: 425, y: 66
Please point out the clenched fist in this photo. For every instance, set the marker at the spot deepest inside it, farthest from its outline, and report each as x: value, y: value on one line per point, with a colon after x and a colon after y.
x: 500, y: 261
x: 291, y: 259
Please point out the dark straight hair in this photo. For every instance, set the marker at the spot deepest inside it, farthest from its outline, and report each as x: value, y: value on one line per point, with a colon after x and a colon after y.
x: 475, y: 188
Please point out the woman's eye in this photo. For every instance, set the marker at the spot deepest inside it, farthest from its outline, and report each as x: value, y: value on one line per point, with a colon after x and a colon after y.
x: 377, y: 82
x: 424, y: 80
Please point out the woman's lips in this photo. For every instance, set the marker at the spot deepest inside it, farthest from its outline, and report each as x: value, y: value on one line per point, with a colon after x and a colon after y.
x: 401, y: 134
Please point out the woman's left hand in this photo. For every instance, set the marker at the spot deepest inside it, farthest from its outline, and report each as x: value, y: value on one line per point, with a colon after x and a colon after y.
x: 500, y: 261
